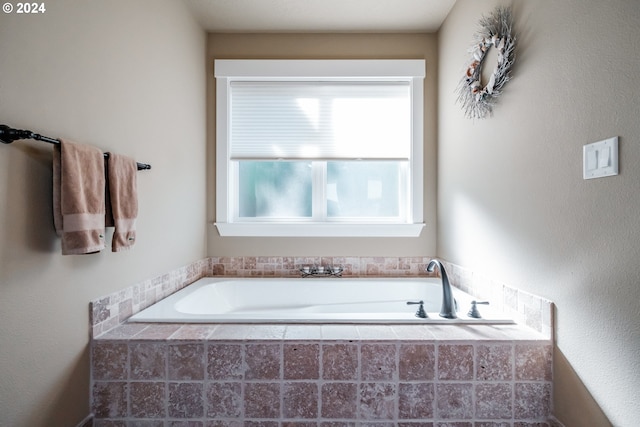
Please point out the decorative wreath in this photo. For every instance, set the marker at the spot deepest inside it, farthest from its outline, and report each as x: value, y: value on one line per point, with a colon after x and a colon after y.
x: 495, y: 32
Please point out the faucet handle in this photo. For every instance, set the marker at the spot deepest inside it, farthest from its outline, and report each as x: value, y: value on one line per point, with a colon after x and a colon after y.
x: 473, y: 311
x: 420, y: 313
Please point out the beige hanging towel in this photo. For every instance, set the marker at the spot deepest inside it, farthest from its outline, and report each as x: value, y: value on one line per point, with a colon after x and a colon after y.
x: 78, y: 197
x: 122, y: 200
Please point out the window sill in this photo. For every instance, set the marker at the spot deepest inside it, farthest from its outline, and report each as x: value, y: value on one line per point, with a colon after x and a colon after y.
x: 253, y: 229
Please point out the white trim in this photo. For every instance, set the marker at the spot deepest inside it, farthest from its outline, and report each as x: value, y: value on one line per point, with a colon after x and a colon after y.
x: 248, y: 229
x: 318, y: 68
x: 417, y: 156
x: 222, y: 150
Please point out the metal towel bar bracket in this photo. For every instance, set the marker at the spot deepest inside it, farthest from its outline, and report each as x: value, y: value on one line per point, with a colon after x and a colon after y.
x: 9, y: 135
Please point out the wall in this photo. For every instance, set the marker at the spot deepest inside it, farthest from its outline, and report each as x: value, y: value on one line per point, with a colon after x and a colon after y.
x: 123, y: 76
x: 512, y: 201
x: 329, y: 46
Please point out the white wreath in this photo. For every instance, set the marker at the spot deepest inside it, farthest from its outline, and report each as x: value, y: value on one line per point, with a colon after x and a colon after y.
x: 478, y: 101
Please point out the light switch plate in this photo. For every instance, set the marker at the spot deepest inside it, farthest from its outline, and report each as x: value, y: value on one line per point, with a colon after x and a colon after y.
x: 600, y: 158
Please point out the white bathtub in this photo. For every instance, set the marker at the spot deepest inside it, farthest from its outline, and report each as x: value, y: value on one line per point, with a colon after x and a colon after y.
x: 310, y: 300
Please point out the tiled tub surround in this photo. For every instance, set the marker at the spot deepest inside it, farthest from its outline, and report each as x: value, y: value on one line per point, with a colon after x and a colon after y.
x: 321, y: 375
x: 109, y: 311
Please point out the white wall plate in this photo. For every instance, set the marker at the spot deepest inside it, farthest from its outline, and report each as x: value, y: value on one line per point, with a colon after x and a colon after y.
x: 600, y: 158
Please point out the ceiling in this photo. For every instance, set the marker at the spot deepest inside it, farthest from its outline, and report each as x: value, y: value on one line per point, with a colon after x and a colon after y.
x: 325, y: 16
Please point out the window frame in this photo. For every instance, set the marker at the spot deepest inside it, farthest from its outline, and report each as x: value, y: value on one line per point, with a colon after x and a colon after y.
x: 410, y: 70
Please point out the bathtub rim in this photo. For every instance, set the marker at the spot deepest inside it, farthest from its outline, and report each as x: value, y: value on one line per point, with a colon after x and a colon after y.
x: 150, y: 315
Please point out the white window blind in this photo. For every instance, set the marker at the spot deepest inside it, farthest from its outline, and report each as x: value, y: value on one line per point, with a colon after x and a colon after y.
x: 320, y: 120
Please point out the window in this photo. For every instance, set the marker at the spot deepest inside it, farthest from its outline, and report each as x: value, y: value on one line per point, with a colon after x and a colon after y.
x: 319, y: 148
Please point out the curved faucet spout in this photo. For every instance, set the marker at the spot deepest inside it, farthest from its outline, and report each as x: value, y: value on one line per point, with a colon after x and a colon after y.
x: 448, y: 309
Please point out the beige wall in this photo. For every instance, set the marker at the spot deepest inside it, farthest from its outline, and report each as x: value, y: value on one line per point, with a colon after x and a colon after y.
x: 330, y: 46
x: 123, y: 76
x: 512, y: 201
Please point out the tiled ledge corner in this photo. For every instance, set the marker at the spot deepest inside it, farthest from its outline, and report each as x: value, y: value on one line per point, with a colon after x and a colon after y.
x: 109, y: 311
x: 525, y: 308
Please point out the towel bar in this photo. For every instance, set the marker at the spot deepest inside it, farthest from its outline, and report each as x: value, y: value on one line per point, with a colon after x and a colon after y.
x: 9, y: 135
